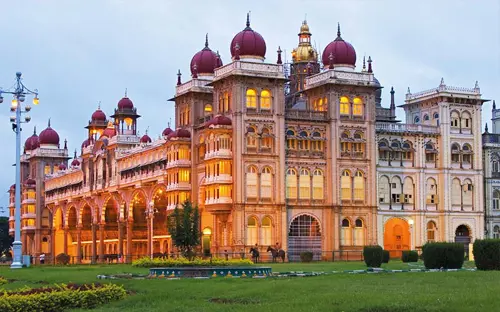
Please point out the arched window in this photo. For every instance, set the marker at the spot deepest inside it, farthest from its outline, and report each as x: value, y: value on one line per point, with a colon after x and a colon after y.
x: 251, y: 183
x: 456, y: 192
x: 359, y: 233
x: 408, y: 190
x: 467, y: 154
x: 251, y: 98
x: 496, y: 232
x: 303, y: 141
x: 266, y: 138
x: 251, y: 137
x: 455, y: 153
x: 431, y: 191
x: 396, y: 190
x: 266, y: 232
x: 291, y: 183
x: 208, y: 109
x: 407, y: 151
x: 319, y: 105
x: 317, y: 143
x: 227, y: 104
x: 455, y: 119
x: 359, y: 186
x: 383, y: 151
x: 305, y: 184
x: 495, y: 166
x: 426, y: 118
x: 466, y: 121
x: 416, y: 120
x: 252, y: 231
x: 430, y: 153
x: 496, y: 199
x: 291, y: 141
x: 357, y: 107
x: 345, y: 185
x: 265, y: 99
x: 344, y: 106
x: 266, y: 183
x: 431, y: 231
x: 346, y: 233
x: 383, y: 190
x: 467, y: 189
x: 318, y: 184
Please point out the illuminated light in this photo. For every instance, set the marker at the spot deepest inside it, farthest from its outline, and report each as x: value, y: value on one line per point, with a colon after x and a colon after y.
x: 128, y: 121
x: 14, y: 103
x: 410, y: 222
x: 36, y: 100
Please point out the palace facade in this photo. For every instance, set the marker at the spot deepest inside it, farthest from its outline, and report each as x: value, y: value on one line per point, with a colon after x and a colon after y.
x: 301, y: 154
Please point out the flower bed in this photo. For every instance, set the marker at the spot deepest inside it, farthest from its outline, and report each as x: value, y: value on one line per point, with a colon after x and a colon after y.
x: 60, y: 297
x: 183, y: 262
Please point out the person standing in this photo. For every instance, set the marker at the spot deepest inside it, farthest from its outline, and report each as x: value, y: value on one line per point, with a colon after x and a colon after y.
x: 42, y: 258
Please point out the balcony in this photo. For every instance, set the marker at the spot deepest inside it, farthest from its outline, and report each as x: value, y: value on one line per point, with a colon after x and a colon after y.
x: 218, y: 201
x: 222, y: 178
x: 222, y: 153
x: 181, y: 186
x: 408, y: 128
x: 250, y: 69
x: 306, y: 115
x: 179, y: 163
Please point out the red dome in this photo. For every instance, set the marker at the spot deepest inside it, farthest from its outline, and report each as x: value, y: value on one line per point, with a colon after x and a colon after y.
x: 109, y: 132
x: 62, y: 166
x: 99, y: 115
x: 206, y: 61
x: 32, y: 142
x: 49, y: 136
x: 145, y: 139
x: 219, y: 120
x: 30, y: 182
x: 167, y: 131
x: 179, y: 133
x: 125, y: 103
x: 250, y: 43
x: 75, y: 163
x: 342, y: 51
x: 87, y: 142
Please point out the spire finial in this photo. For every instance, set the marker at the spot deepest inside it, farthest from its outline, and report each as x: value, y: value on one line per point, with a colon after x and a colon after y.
x: 442, y: 82
x: 65, y: 144
x: 99, y: 105
x: 370, y: 70
x: 408, y: 91
x: 476, y: 86
x: 125, y: 92
x: 486, y: 128
x: 179, y: 77
x: 248, y: 19
x: 169, y: 121
x: 49, y: 122
x: 338, y: 30
x: 279, y: 61
x: 34, y: 128
x: 75, y: 154
x: 206, y: 40
x: 393, y: 103
x: 494, y: 105
x: 237, y: 51
x: 147, y: 129
x: 364, y: 64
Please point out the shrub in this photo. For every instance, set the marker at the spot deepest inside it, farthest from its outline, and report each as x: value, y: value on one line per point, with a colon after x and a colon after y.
x: 306, y: 256
x: 183, y: 262
x: 443, y: 255
x: 409, y: 256
x: 487, y: 254
x: 3, y: 281
x: 373, y: 256
x: 386, y: 256
x: 59, y: 298
x: 62, y: 258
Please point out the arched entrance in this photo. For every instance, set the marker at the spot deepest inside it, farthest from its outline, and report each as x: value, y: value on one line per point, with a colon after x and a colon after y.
x: 206, y: 241
x: 72, y: 223
x: 462, y: 235
x: 396, y: 237
x: 59, y: 232
x: 139, y: 229
x: 160, y: 233
x: 86, y: 219
x: 304, y: 235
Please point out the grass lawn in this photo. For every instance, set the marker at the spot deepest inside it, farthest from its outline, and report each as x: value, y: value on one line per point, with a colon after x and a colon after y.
x: 388, y: 292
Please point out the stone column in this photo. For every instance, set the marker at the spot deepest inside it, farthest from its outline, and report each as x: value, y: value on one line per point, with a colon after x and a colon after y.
x: 130, y: 224
x: 53, y: 245
x: 101, y: 242
x: 66, y: 230
x: 79, y: 245
x: 150, y: 235
x: 120, y: 238
x: 94, y: 243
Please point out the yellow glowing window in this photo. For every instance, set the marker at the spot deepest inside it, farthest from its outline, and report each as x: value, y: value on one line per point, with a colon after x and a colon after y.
x: 31, y: 195
x: 318, y: 184
x: 183, y: 175
x: 318, y: 105
x: 357, y: 107
x: 305, y: 184
x: 128, y: 121
x: 345, y: 185
x: 30, y: 209
x: 226, y: 102
x: 344, y: 105
x: 251, y: 98
x: 208, y: 108
x: 46, y: 170
x: 266, y: 231
x: 359, y: 186
x: 265, y: 99
x: 251, y: 231
x: 266, y: 183
x: 291, y: 184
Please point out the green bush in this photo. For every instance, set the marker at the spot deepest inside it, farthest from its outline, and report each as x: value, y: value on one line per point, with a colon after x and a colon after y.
x: 373, y: 256
x: 306, y: 256
x: 409, y: 256
x: 60, y: 298
x: 62, y: 258
x: 386, y: 256
x: 487, y: 254
x: 183, y: 262
x: 443, y: 255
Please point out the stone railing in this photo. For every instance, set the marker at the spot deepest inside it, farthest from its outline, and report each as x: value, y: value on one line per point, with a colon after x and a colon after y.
x: 273, y: 69
x: 352, y: 77
x: 49, y: 152
x: 124, y: 139
x: 306, y: 115
x: 396, y: 127
x: 443, y: 88
x: 183, y: 88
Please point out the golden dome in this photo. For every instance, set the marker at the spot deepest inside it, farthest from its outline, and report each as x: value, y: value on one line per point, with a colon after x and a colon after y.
x: 304, y: 29
x: 304, y: 53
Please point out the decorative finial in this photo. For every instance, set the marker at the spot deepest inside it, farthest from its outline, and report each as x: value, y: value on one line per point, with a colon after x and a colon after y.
x: 364, y: 64
x: 393, y: 103
x: 486, y: 128
x: 34, y: 128
x: 179, y: 77
x: 169, y: 121
x: 206, y: 41
x: 338, y: 31
x: 494, y: 106
x: 49, y: 122
x: 65, y: 144
x: 147, y: 129
x: 125, y: 92
x: 237, y: 51
x: 408, y: 91
x: 99, y: 105
x: 330, y: 58
x: 442, y: 82
x: 392, y: 90
x: 370, y: 70
x: 248, y: 19
x: 279, y: 56
x: 476, y: 86
x: 309, y: 69
x: 74, y: 154
x: 195, y: 71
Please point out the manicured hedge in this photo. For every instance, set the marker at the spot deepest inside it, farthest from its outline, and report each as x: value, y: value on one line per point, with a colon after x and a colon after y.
x: 443, y: 255
x: 306, y: 256
x: 386, y: 256
x: 183, y: 262
x: 62, y: 258
x: 60, y: 298
x: 373, y: 256
x: 487, y: 254
x: 409, y: 256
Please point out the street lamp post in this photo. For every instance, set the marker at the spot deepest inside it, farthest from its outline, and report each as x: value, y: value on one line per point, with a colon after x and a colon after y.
x: 19, y: 96
x: 150, y: 211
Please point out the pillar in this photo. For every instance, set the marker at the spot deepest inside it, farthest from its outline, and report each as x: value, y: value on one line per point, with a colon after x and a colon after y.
x: 120, y: 238
x: 150, y: 236
x: 79, y: 245
x: 101, y: 242
x: 66, y: 230
x: 130, y: 224
x: 94, y: 243
x: 53, y: 245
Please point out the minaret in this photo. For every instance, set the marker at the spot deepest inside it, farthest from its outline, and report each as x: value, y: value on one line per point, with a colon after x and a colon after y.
x: 393, y: 104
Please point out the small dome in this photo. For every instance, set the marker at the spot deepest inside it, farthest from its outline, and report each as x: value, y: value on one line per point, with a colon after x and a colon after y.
x: 75, y: 163
x: 13, y: 187
x: 145, y: 139
x: 343, y: 52
x: 30, y: 182
x: 49, y: 136
x: 110, y: 131
x: 179, y: 133
x: 62, y: 166
x: 98, y: 115
x: 32, y: 142
x: 125, y: 103
x: 87, y: 142
x: 205, y: 61
x: 219, y: 120
x: 378, y: 92
x: 167, y: 131
x: 250, y: 43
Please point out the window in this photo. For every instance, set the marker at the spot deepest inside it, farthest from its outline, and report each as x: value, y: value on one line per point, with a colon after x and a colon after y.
x: 266, y: 183
x: 455, y: 153
x: 383, y: 190
x: 305, y: 184
x: 251, y: 137
x: 426, y: 117
x: 467, y: 189
x: 251, y: 182
x: 466, y: 121
x: 266, y: 231
x: 318, y: 184
x: 344, y: 105
x: 208, y: 109
x: 357, y: 107
x: 226, y: 102
x: 496, y: 200
x: 416, y: 120
x: 319, y: 105
x: 495, y: 166
x: 317, y: 143
x: 265, y: 99
x: 251, y: 98
x: 496, y: 232
x: 430, y: 153
x: 431, y: 190
x: 359, y: 186
x: 252, y: 231
x: 266, y: 138
x: 345, y: 185
x: 431, y: 231
x: 396, y: 191
x: 359, y: 233
x: 455, y: 119
x: 467, y: 154
x: 346, y: 233
x: 303, y: 141
x: 408, y: 190
x: 383, y: 151
x: 406, y: 154
x: 291, y: 140
x: 291, y: 184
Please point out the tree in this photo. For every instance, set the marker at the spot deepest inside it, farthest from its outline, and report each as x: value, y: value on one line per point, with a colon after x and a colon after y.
x: 5, y: 239
x: 184, y: 228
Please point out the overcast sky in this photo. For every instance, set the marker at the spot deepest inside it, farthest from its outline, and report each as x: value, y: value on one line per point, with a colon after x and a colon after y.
x: 77, y: 53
